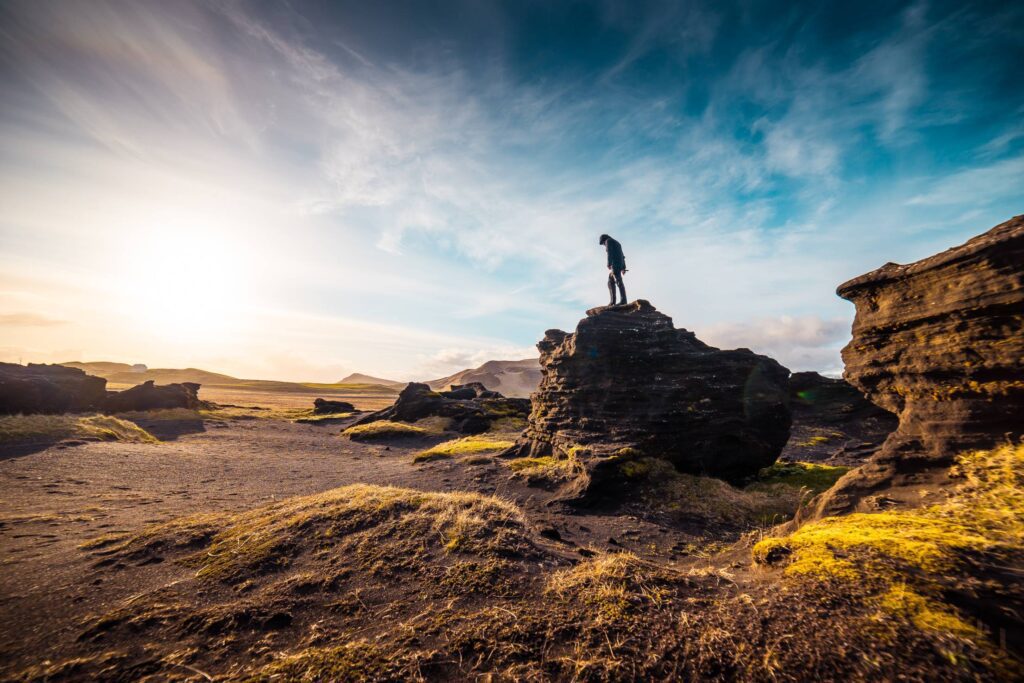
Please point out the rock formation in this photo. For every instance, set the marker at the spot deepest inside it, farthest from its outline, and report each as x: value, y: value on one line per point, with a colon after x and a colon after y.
x: 323, y: 406
x: 833, y: 422
x: 149, y: 396
x: 940, y: 343
x: 37, y: 388
x: 471, y: 408
x: 627, y: 384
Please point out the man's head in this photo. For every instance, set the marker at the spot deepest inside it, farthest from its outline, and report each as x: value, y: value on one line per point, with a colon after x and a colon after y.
x: 604, y: 238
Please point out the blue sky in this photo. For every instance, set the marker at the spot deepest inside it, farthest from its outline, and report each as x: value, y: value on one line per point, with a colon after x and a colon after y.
x: 300, y: 190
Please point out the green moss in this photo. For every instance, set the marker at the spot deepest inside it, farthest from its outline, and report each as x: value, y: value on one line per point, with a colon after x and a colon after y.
x: 806, y: 475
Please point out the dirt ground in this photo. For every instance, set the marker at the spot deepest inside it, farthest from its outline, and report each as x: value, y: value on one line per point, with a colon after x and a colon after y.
x: 60, y: 496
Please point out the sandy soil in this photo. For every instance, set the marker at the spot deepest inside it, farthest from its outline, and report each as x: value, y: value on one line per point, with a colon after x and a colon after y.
x: 60, y: 496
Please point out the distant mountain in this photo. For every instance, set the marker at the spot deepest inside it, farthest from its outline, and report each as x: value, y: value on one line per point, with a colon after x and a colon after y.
x: 360, y: 378
x: 512, y: 378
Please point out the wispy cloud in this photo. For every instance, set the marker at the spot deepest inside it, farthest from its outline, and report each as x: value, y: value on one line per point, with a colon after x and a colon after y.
x: 395, y: 200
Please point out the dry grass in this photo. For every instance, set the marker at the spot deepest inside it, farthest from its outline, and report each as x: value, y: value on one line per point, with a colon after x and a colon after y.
x: 469, y: 445
x: 382, y: 430
x: 52, y: 428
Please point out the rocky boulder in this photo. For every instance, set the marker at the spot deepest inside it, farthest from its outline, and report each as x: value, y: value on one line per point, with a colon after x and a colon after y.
x: 323, y: 406
x: 833, y: 422
x: 940, y: 343
x: 471, y: 408
x: 628, y: 385
x: 149, y: 396
x: 37, y: 388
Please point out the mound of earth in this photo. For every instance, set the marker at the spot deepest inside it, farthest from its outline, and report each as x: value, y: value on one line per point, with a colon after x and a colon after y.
x: 48, y: 389
x: 628, y: 385
x: 940, y: 343
x: 833, y: 422
x: 472, y: 409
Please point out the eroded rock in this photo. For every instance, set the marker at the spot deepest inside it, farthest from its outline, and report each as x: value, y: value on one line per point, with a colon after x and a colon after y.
x: 150, y: 396
x: 940, y: 343
x: 628, y: 385
x: 323, y: 406
x: 833, y: 422
x: 471, y: 408
x: 38, y: 388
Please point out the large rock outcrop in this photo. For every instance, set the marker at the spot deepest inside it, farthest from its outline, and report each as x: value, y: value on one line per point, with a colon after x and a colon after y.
x: 833, y: 422
x: 150, y: 396
x: 470, y: 407
x: 628, y: 385
x: 940, y: 343
x: 38, y: 388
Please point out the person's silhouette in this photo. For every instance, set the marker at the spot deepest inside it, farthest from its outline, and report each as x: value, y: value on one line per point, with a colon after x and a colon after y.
x: 617, y: 266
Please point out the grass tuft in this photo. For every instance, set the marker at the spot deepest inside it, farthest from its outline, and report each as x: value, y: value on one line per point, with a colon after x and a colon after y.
x: 42, y: 428
x: 465, y: 446
x: 383, y: 429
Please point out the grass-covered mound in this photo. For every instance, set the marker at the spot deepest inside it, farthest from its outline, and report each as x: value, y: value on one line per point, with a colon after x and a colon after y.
x: 381, y: 430
x: 379, y: 583
x: 53, y: 428
x: 469, y: 445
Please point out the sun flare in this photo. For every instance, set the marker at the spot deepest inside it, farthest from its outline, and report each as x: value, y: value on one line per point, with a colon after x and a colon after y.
x: 184, y: 283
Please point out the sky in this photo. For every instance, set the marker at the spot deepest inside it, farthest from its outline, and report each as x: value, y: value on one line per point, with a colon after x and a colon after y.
x: 299, y: 190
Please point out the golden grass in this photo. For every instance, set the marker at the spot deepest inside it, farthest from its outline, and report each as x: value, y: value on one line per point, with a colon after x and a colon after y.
x: 388, y: 429
x: 468, y: 445
x: 611, y: 586
x: 383, y: 519
x: 383, y: 429
x: 42, y: 428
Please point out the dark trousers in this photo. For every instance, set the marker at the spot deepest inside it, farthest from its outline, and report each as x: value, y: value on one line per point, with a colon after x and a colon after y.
x: 615, y: 278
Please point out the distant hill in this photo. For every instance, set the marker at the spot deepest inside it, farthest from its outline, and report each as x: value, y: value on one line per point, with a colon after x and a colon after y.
x: 513, y: 378
x: 122, y: 373
x: 360, y: 378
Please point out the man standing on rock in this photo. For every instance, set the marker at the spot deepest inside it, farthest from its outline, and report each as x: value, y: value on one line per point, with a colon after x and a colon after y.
x: 617, y: 266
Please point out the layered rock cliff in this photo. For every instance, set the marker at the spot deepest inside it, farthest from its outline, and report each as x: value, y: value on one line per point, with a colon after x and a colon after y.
x: 629, y: 385
x: 940, y: 343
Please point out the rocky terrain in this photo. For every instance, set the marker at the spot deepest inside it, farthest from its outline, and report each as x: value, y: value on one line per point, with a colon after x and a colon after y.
x: 628, y: 386
x: 432, y: 539
x: 833, y: 422
x: 939, y: 343
x: 53, y: 389
x: 471, y: 408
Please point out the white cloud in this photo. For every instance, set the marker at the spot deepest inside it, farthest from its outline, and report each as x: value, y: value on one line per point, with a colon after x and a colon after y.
x: 799, y: 343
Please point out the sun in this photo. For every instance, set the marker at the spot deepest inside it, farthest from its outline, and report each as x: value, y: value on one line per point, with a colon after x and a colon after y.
x: 184, y: 282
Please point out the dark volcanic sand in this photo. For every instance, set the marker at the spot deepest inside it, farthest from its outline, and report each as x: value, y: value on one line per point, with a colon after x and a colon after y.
x: 61, y: 496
